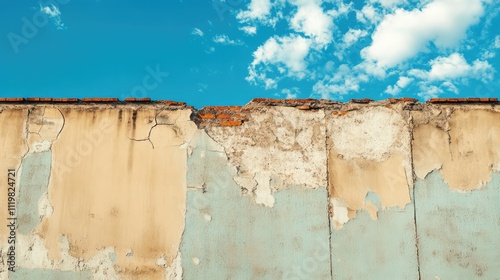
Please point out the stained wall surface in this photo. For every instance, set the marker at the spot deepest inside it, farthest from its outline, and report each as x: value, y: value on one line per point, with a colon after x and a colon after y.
x: 313, y: 190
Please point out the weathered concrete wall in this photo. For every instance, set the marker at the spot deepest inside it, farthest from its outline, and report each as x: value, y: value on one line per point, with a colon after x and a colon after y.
x: 273, y: 190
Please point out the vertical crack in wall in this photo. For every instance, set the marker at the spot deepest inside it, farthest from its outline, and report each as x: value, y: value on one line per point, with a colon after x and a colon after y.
x: 414, y: 177
x: 328, y: 196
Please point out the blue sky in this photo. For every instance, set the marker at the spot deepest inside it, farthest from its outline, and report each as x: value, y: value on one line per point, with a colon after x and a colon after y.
x: 228, y: 52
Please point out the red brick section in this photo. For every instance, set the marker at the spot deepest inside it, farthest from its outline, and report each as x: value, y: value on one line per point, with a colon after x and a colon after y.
x: 100, y: 100
x: 403, y: 99
x: 463, y: 100
x: 221, y: 116
x: 362, y: 101
x: 132, y: 99
x: 65, y: 100
x: 11, y: 99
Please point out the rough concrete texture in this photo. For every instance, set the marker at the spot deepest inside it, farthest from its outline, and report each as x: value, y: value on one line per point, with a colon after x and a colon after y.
x: 294, y: 190
x: 278, y: 147
x: 369, y: 150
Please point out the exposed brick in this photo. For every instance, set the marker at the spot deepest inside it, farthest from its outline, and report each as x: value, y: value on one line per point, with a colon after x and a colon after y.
x: 206, y: 116
x: 259, y: 100
x: 238, y: 116
x: 462, y: 99
x: 484, y: 99
x: 403, y: 99
x: 223, y: 116
x: 303, y: 107
x: 64, y: 100
x: 307, y: 100
x: 37, y: 99
x: 473, y: 99
x: 170, y: 102
x: 493, y: 100
x: 99, y: 99
x: 16, y: 99
x: 363, y: 101
x: 235, y: 108
x: 437, y: 100
x: 132, y: 99
x: 231, y: 123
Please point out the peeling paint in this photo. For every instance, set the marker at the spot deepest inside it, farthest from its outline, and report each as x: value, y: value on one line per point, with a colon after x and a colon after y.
x: 369, y: 150
x: 463, y: 147
x: 150, y: 181
x: 277, y: 147
x: 248, y: 241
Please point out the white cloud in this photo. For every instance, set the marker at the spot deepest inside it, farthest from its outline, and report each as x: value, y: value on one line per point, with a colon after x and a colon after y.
x: 311, y: 20
x: 400, y: 84
x: 225, y: 40
x: 197, y: 32
x: 250, y: 30
x: 353, y: 35
x: 54, y: 14
x: 257, y: 10
x: 497, y: 42
x: 427, y: 92
x: 389, y: 3
x: 368, y: 14
x: 403, y: 34
x: 291, y: 93
x: 341, y: 83
x: 454, y: 67
x: 287, y: 53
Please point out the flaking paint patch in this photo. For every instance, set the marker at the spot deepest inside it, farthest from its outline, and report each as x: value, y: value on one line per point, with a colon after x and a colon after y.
x: 276, y: 148
x: 465, y: 148
x: 369, y: 150
x: 33, y: 183
x: 136, y: 203
x: 458, y: 232
x: 44, y: 126
x: 245, y: 241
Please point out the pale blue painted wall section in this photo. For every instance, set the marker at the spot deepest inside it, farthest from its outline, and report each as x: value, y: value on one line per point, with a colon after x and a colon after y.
x: 376, y: 249
x: 32, y: 185
x: 458, y: 233
x: 228, y: 236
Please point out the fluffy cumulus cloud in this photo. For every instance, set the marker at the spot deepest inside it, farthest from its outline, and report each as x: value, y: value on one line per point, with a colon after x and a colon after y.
x: 54, y: 14
x: 427, y: 46
x: 352, y: 36
x: 339, y: 84
x: 454, y: 67
x: 286, y: 53
x: 403, y: 34
x: 400, y: 84
x: 313, y: 22
x: 257, y: 10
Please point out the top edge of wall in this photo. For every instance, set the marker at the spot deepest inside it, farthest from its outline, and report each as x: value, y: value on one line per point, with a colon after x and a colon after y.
x: 300, y: 103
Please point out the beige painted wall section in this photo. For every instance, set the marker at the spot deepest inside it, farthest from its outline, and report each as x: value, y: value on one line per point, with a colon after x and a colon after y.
x: 13, y: 148
x: 454, y: 141
x: 118, y: 192
x: 369, y: 150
